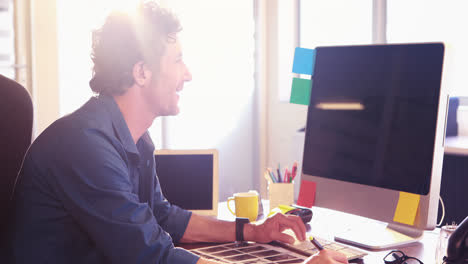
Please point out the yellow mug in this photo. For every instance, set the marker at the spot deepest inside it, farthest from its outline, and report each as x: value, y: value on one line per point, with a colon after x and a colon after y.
x: 246, y: 205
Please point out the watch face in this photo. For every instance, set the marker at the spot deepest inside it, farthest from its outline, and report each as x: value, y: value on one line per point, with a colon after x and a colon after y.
x: 242, y: 219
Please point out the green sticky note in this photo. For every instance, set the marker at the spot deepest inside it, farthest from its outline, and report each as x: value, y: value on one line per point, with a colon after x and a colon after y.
x: 300, y: 91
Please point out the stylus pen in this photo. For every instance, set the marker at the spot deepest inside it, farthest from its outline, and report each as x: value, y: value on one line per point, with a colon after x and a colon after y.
x: 316, y: 243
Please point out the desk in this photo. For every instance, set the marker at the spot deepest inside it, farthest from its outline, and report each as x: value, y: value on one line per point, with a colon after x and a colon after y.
x: 456, y: 145
x: 326, y: 222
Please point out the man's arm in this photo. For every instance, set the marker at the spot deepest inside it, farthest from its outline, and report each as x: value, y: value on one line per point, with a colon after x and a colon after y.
x: 209, y: 229
x: 95, y: 188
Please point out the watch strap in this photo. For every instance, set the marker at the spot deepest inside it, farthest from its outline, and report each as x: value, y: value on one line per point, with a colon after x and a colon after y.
x: 240, y: 222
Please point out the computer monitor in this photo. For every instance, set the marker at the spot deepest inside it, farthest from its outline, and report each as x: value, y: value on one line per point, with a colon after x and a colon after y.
x: 189, y: 179
x: 375, y: 128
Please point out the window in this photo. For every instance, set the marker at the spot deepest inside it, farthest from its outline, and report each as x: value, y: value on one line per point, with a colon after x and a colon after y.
x: 434, y: 21
x: 218, y: 48
x: 7, y: 50
x: 328, y: 23
x: 74, y: 42
x: 341, y: 22
x: 335, y: 22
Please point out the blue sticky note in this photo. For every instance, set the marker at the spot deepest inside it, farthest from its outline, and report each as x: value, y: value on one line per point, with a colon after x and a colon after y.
x: 304, y: 60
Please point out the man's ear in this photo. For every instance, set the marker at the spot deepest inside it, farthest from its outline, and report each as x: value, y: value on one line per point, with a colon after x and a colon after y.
x: 141, y: 73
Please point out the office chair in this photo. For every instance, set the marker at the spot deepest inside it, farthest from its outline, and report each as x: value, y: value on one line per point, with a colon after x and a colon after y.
x: 16, y: 117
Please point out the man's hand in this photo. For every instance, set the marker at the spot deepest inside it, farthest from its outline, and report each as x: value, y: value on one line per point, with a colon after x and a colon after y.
x: 326, y: 256
x: 272, y: 228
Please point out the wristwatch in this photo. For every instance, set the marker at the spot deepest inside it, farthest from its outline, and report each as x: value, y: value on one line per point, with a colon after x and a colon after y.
x: 240, y: 222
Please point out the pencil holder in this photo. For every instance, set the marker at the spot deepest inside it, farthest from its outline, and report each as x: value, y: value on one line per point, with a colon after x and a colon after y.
x: 280, y: 193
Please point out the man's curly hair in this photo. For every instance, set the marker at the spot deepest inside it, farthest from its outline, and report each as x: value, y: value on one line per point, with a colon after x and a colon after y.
x: 126, y: 39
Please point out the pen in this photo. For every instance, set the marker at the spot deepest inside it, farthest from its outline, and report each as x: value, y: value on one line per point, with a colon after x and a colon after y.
x: 279, y: 173
x: 294, y: 170
x: 272, y: 176
x: 316, y: 243
x: 286, y: 175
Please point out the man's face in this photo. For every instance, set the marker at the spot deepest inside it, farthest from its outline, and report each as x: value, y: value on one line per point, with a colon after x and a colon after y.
x: 162, y: 92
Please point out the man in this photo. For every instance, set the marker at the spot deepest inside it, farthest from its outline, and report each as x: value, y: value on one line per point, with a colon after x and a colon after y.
x: 88, y: 190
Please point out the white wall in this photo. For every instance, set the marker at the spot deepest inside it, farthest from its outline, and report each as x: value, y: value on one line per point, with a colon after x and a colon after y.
x: 45, y: 91
x: 283, y: 118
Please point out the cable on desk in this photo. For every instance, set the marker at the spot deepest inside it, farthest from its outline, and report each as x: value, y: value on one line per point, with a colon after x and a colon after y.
x: 443, y: 211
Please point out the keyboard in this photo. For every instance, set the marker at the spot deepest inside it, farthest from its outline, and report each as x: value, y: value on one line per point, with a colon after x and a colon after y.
x: 306, y: 247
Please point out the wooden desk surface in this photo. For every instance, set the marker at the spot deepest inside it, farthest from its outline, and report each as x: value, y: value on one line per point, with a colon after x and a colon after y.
x: 325, y: 223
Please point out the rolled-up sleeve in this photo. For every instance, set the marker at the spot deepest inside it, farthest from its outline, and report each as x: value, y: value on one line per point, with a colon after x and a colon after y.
x: 96, y: 190
x: 172, y: 218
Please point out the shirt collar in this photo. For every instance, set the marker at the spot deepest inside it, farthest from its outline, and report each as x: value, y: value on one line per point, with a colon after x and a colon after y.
x: 118, y: 122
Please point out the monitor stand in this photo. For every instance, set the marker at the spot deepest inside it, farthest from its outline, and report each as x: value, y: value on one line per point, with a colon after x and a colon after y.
x: 379, y: 236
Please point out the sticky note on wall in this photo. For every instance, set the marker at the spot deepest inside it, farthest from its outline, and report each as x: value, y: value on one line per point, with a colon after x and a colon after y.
x: 407, y: 207
x: 304, y: 60
x: 300, y: 91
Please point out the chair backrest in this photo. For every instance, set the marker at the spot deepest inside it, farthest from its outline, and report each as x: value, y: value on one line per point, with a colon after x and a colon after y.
x: 16, y: 119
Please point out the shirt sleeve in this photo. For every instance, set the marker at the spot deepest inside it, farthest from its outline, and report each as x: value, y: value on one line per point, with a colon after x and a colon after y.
x: 93, y: 181
x: 172, y: 218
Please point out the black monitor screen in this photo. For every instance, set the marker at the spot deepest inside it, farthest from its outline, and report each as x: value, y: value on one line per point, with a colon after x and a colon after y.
x: 372, y: 115
x: 186, y: 180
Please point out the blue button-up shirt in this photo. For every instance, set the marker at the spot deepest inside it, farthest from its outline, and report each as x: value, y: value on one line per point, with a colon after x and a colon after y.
x: 88, y: 194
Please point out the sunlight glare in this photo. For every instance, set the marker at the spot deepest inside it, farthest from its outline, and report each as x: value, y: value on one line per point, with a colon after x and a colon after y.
x: 127, y: 6
x: 78, y: 20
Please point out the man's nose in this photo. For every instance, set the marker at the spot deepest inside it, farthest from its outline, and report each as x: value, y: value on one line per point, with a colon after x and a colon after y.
x: 187, y: 75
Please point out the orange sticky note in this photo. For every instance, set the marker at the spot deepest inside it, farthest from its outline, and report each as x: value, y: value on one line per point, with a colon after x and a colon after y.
x: 407, y: 207
x: 307, y: 193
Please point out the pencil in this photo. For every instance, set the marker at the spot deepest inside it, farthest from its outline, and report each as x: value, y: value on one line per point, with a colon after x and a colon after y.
x: 273, y: 178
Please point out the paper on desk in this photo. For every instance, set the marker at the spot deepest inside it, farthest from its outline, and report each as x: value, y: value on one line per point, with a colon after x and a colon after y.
x: 407, y: 207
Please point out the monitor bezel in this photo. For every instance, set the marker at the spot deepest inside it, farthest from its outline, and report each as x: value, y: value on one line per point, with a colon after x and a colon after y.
x: 215, y: 176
